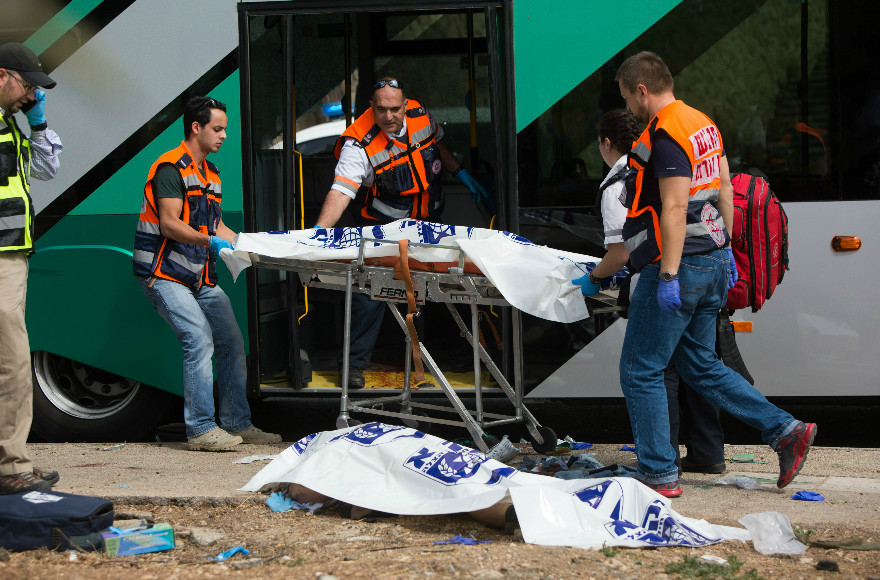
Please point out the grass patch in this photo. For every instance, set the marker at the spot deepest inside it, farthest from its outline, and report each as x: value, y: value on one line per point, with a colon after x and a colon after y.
x: 608, y: 551
x: 693, y: 568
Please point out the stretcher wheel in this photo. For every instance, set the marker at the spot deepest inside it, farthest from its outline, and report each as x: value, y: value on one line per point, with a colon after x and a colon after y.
x: 549, y: 437
x: 490, y: 440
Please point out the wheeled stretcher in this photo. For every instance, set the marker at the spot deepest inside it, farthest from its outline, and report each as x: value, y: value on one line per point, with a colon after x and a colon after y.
x: 406, y: 281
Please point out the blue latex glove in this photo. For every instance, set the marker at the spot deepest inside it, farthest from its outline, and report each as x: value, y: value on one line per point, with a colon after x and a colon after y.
x: 587, y: 288
x: 734, y: 274
x: 217, y: 244
x: 669, y: 295
x: 317, y: 227
x: 36, y: 115
x: 478, y: 194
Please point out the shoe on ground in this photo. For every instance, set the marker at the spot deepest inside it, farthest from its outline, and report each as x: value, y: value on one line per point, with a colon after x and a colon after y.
x: 355, y: 378
x: 47, y: 475
x: 511, y: 522
x: 670, y: 489
x: 26, y: 481
x: 688, y: 465
x: 792, y: 452
x: 258, y: 436
x: 214, y: 440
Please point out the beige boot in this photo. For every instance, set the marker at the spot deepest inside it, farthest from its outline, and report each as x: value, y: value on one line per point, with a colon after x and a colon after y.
x: 214, y: 440
x: 254, y: 435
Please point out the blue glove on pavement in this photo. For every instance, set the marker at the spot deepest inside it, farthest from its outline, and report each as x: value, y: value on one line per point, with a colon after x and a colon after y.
x: 587, y: 288
x: 669, y: 295
x: 478, y: 194
x: 217, y: 244
x: 36, y: 115
x: 734, y: 274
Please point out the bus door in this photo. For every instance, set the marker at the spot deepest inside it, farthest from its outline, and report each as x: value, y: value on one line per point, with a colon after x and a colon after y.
x: 306, y: 74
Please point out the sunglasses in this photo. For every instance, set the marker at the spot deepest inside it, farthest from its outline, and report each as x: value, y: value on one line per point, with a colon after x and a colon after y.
x: 393, y: 83
x: 28, y: 87
x: 208, y: 103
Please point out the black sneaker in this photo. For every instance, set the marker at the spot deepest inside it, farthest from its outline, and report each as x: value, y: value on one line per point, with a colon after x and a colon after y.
x: 688, y: 465
x: 792, y: 452
x: 355, y: 378
x: 511, y: 522
x: 26, y: 481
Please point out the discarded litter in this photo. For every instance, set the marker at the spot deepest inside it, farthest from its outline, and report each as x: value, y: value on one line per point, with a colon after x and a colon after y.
x: 124, y: 486
x: 504, y: 451
x: 577, y: 445
x: 459, y: 539
x: 278, y: 502
x: 771, y: 533
x: 627, y: 448
x: 744, y: 458
x: 138, y: 540
x: 113, y: 447
x: 231, y: 552
x: 713, y: 559
x: 808, y: 496
x: 739, y: 481
x: 252, y: 458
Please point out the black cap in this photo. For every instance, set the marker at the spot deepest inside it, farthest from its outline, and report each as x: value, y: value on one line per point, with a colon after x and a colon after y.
x: 18, y: 57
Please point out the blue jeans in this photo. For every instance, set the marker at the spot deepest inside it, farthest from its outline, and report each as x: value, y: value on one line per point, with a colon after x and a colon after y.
x: 366, y: 322
x: 205, y: 325
x: 687, y: 336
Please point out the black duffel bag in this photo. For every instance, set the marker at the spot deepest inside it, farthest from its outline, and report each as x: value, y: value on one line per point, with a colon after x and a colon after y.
x: 54, y: 520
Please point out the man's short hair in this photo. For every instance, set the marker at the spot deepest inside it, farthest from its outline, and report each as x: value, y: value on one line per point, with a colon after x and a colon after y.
x: 645, y: 68
x: 384, y: 82
x: 198, y: 109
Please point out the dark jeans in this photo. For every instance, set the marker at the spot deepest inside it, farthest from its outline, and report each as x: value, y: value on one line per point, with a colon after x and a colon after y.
x: 366, y: 322
x: 694, y: 420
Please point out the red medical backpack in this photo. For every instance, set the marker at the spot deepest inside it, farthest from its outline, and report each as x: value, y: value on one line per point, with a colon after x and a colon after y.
x: 760, y: 242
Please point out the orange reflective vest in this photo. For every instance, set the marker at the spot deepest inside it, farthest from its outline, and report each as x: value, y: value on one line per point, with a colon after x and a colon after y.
x: 701, y: 141
x: 406, y: 174
x: 161, y: 257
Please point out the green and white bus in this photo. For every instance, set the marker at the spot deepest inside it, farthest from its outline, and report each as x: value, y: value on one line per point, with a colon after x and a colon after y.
x: 518, y: 86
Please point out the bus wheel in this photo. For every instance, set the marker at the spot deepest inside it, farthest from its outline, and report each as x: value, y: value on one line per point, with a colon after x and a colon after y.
x: 77, y: 402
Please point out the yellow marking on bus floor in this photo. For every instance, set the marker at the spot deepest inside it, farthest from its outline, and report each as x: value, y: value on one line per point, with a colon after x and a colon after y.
x: 392, y: 381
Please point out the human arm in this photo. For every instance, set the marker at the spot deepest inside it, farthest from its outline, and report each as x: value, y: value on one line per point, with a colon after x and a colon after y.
x: 615, y: 259
x: 725, y: 199
x: 171, y: 226
x: 334, y: 204
x: 45, y: 143
x: 673, y: 220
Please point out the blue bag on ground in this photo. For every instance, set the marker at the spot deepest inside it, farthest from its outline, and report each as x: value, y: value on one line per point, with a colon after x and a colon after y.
x: 54, y: 520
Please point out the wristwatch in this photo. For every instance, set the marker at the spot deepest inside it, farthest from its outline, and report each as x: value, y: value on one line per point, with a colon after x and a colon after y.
x: 668, y: 276
x: 594, y: 280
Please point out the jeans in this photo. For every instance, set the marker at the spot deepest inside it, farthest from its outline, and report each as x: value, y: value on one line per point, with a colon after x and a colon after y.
x: 205, y: 325
x: 687, y: 336
x: 693, y: 420
x: 366, y: 322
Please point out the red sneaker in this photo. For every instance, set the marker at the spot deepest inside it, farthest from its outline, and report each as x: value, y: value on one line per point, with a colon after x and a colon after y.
x: 792, y: 451
x: 670, y: 489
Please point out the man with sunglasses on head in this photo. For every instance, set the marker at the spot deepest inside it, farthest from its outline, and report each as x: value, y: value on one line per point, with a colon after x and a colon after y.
x: 179, y: 236
x: 21, y: 158
x: 393, y: 155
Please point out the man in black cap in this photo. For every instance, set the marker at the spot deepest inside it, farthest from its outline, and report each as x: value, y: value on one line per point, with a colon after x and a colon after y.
x: 21, y: 158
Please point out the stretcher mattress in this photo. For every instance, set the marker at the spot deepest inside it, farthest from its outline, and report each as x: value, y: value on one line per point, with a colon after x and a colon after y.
x: 535, y: 279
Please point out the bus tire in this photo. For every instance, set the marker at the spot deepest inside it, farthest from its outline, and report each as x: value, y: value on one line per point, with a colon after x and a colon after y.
x: 77, y: 402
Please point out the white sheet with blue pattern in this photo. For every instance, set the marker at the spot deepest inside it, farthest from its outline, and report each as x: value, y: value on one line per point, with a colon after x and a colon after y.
x: 404, y: 471
x: 535, y: 279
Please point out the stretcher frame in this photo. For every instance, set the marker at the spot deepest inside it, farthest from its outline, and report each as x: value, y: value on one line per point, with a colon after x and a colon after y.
x: 453, y: 287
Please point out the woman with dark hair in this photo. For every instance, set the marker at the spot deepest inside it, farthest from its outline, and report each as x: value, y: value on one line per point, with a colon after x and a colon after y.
x: 617, y: 129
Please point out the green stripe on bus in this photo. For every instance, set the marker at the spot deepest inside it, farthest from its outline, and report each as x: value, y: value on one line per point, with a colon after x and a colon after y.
x: 558, y: 48
x: 58, y: 25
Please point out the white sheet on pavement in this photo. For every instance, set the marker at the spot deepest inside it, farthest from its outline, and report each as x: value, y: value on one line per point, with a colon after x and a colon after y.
x: 404, y: 471
x: 535, y: 279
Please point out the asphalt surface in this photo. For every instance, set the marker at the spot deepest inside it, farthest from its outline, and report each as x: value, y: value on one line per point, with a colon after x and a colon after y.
x: 168, y: 473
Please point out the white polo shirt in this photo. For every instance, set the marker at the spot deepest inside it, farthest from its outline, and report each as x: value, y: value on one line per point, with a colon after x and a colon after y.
x: 355, y: 165
x: 613, y: 211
